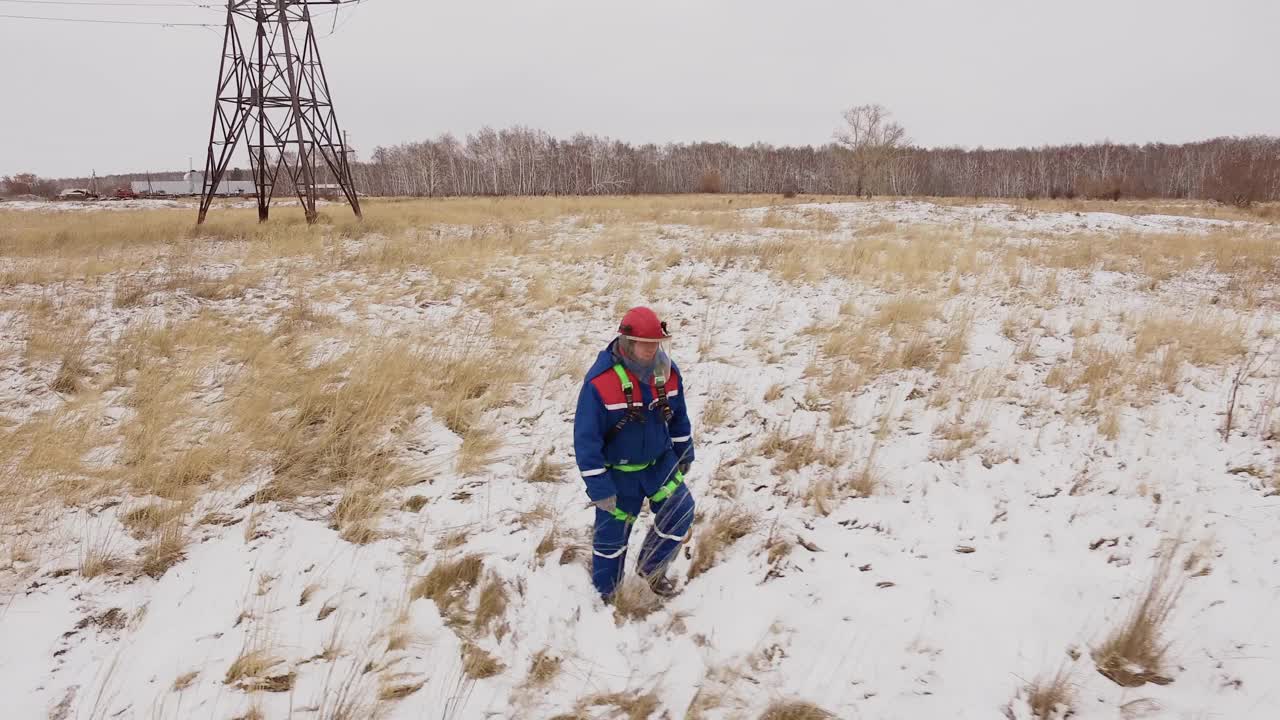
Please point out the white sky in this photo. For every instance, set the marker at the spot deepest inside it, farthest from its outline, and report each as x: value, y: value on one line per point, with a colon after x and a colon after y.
x: 995, y: 73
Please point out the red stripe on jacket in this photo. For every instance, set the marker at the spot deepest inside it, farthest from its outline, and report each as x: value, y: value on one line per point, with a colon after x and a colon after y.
x: 609, y: 385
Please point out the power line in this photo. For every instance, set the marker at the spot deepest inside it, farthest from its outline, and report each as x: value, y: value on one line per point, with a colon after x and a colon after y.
x: 336, y: 24
x: 110, y: 22
x: 111, y: 3
x: 153, y: 23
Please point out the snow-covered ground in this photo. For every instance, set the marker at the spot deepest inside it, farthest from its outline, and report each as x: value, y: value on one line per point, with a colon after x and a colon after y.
x: 1003, y: 216
x: 1008, y: 535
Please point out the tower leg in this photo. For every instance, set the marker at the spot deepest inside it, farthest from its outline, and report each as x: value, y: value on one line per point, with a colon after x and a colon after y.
x: 226, y: 128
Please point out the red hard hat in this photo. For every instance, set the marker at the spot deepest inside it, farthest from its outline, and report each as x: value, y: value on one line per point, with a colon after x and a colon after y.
x: 641, y: 323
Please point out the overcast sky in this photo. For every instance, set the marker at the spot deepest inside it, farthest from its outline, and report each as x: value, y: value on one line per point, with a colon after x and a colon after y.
x: 995, y: 73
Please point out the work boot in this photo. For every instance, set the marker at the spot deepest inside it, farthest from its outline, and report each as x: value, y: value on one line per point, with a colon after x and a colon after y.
x: 662, y: 586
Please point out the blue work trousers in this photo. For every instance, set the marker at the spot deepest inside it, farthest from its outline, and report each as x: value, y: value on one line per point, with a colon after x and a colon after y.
x: 672, y: 518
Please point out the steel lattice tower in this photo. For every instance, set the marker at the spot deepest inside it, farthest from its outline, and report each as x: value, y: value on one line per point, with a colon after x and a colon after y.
x: 272, y: 91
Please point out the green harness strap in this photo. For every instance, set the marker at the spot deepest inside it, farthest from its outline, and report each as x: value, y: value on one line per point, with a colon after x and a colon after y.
x: 623, y: 515
x: 663, y: 493
x: 632, y: 412
x: 666, y: 490
x: 622, y: 375
x: 633, y: 467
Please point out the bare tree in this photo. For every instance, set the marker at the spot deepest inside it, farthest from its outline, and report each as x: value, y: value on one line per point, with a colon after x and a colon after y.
x: 874, y: 141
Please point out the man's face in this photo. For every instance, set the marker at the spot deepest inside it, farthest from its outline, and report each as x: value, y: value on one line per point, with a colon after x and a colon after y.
x: 645, y: 351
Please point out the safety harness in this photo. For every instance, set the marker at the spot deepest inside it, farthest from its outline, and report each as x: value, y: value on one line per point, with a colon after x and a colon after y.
x: 633, y: 408
x: 634, y: 413
x: 664, y: 492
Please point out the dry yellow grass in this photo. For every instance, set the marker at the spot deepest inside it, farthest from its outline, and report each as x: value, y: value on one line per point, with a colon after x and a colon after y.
x: 492, y: 604
x: 251, y: 664
x: 839, y: 411
x: 716, y: 409
x: 821, y: 496
x: 961, y: 435
x: 904, y: 334
x: 1246, y: 255
x: 449, y: 582
x: 98, y: 556
x: 478, y: 447
x: 774, y: 392
x: 1134, y: 653
x: 1109, y: 427
x: 633, y: 600
x: 795, y: 710
x: 144, y: 520
x: 73, y: 369
x: 793, y: 453
x: 1047, y: 697
x: 909, y: 310
x: 55, y: 247
x: 1102, y: 372
x: 549, y: 542
x: 1186, y: 208
x: 399, y: 685
x: 451, y: 540
x: 479, y: 664
x: 865, y: 481
x: 357, y: 511
x: 726, y: 527
x: 46, y: 460
x: 183, y: 681
x: 1204, y: 338
x: 543, y: 668
x: 853, y: 342
x: 955, y: 342
x: 326, y: 428
x: 546, y: 470
x: 919, y: 350
x: 630, y: 705
x: 920, y: 258
x: 335, y: 416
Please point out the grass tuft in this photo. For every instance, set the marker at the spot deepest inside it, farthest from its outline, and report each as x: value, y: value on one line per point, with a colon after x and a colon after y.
x: 1046, y: 698
x: 726, y: 527
x: 1135, y: 652
x: 546, y: 471
x: 492, y: 603
x: 631, y: 705
x: 795, y: 710
x: 633, y: 600
x: 543, y: 668
x: 449, y: 582
x: 165, y: 550
x: 479, y: 664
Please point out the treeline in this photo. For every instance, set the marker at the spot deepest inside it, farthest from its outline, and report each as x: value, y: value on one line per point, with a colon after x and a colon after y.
x: 869, y: 155
x: 523, y: 161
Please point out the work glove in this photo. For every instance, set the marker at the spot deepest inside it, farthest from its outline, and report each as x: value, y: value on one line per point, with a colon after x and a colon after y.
x: 608, y: 504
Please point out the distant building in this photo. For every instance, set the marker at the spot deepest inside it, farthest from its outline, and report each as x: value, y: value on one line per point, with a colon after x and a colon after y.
x: 192, y: 183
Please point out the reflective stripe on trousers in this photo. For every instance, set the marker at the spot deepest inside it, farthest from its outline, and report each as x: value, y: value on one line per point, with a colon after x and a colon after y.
x: 672, y: 519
